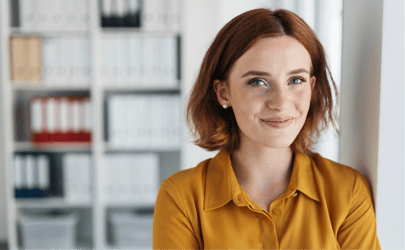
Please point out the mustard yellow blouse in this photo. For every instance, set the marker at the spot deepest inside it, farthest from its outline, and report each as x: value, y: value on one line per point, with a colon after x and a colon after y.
x: 327, y: 206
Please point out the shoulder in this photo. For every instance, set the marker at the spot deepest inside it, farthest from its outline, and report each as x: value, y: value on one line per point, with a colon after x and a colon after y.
x: 333, y: 171
x: 339, y: 180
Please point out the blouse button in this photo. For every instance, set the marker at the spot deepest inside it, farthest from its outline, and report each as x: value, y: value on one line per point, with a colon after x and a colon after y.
x: 276, y: 212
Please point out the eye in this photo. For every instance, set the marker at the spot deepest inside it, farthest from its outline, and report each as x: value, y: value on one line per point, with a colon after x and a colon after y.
x: 297, y: 80
x: 257, y: 82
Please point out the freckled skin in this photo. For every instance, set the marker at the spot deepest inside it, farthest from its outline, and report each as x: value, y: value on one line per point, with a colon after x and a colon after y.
x: 279, y: 94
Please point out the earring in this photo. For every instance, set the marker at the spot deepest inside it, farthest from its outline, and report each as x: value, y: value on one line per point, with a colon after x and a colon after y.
x: 225, y: 106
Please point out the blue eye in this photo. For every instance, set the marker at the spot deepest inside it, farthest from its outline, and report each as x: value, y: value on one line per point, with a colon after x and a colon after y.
x: 257, y: 82
x: 297, y: 80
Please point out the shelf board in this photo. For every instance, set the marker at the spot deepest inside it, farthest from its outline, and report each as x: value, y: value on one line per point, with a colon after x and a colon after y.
x: 16, y: 31
x: 138, y: 87
x: 139, y: 30
x: 40, y: 86
x: 126, y: 204
x: 49, y: 203
x: 110, y: 148
x: 53, y: 146
x: 115, y: 246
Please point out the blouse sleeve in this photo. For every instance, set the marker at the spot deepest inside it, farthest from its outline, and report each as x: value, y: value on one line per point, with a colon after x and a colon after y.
x: 359, y: 230
x: 171, y: 226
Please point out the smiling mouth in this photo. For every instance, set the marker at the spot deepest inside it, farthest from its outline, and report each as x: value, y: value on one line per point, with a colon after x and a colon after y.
x: 279, y: 124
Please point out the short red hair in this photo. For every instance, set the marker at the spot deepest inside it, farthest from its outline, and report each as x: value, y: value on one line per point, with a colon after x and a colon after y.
x: 215, y: 128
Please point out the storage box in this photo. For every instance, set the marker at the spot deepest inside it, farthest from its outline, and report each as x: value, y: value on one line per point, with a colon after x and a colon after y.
x: 48, y: 231
x: 131, y: 229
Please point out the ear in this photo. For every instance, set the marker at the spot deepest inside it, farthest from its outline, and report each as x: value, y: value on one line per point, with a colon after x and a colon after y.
x: 222, y: 91
x: 312, y: 80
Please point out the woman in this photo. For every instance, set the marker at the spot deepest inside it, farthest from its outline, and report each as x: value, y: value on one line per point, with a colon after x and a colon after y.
x: 262, y: 97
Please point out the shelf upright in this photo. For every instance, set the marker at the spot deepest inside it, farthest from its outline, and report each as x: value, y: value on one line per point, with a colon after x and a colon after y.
x: 96, y: 95
x: 7, y: 123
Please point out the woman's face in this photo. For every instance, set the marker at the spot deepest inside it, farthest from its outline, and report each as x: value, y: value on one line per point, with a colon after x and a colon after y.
x: 269, y: 89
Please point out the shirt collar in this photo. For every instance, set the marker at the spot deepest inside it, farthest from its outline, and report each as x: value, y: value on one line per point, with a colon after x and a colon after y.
x: 222, y: 185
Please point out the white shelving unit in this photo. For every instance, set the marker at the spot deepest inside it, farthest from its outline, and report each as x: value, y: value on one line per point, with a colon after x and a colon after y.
x: 94, y: 226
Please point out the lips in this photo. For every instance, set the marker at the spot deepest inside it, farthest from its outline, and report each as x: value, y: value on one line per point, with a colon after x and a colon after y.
x: 279, y: 122
x: 278, y: 119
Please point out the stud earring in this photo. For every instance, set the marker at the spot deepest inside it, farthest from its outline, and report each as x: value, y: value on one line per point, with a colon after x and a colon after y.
x: 225, y: 106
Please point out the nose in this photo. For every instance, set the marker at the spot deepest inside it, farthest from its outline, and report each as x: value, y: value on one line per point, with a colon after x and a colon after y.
x: 278, y: 99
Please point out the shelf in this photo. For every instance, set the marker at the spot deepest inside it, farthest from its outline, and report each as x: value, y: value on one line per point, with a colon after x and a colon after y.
x: 39, y: 86
x: 112, y: 246
x: 123, y: 30
x: 138, y: 87
x: 128, y: 204
x: 53, y: 146
x: 15, y: 31
x: 49, y: 203
x: 110, y: 148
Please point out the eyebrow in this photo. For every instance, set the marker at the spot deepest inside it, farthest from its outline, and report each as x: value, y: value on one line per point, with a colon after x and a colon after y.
x: 263, y: 73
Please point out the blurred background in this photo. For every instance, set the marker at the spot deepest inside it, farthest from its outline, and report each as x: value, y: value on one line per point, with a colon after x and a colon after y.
x: 93, y: 94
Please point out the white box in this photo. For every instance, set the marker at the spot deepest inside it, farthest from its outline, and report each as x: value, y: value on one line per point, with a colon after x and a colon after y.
x: 46, y: 231
x: 131, y: 229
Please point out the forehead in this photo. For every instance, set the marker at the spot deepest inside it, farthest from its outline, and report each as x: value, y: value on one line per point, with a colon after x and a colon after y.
x: 274, y: 55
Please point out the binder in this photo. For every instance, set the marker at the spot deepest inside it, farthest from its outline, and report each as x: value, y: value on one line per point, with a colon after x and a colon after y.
x: 19, y: 163
x: 76, y: 116
x: 132, y: 121
x: 133, y: 16
x: 173, y: 11
x: 171, y: 61
x: 43, y: 172
x: 41, y: 15
x: 148, y: 15
x: 88, y: 116
x: 121, y: 60
x: 27, y: 16
x: 19, y: 63
x: 81, y: 9
x: 113, y: 121
x: 50, y: 60
x: 106, y: 188
x: 77, y: 77
x: 34, y: 58
x: 64, y: 130
x: 30, y: 171
x: 135, y: 185
x: 121, y: 8
x: 135, y: 60
x: 50, y: 116
x: 125, y: 126
x: 108, y: 59
x: 36, y: 115
x: 106, y: 13
x: 70, y: 120
x: 148, y: 60
x: 84, y: 186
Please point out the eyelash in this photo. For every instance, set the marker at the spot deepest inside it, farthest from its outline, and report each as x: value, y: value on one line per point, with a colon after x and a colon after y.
x: 300, y: 78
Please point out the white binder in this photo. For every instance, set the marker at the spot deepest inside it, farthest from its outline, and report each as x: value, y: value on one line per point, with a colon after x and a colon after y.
x: 50, y: 115
x: 19, y: 162
x: 43, y: 172
x: 30, y: 171
x: 50, y: 60
x: 36, y: 115
x: 27, y: 10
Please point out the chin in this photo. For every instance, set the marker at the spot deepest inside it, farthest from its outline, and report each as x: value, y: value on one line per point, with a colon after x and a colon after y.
x: 278, y: 143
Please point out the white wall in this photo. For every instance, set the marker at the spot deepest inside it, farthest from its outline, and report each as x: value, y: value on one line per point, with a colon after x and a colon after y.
x: 360, y: 88
x: 372, y: 115
x: 391, y: 163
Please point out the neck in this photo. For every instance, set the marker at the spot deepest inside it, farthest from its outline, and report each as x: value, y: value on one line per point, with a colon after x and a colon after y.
x: 262, y: 166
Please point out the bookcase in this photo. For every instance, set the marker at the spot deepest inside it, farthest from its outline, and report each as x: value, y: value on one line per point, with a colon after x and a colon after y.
x: 92, y: 110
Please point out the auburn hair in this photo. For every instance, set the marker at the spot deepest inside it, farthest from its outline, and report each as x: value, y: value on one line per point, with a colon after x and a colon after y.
x: 215, y: 128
